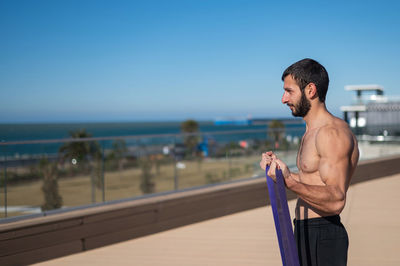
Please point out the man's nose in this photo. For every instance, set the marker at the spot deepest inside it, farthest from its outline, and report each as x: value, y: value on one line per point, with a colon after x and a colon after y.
x: 284, y: 98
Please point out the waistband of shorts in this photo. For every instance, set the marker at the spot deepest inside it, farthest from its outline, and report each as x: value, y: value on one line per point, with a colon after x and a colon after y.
x: 335, y: 219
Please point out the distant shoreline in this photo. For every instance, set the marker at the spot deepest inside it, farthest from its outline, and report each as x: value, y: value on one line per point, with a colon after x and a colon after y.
x: 130, y: 121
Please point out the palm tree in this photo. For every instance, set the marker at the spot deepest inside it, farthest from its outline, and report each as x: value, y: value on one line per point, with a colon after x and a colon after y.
x: 80, y: 151
x: 147, y: 184
x: 191, y: 141
x: 86, y: 155
x: 52, y: 197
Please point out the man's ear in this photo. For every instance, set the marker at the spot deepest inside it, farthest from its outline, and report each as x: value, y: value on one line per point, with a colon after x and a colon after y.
x: 311, y: 91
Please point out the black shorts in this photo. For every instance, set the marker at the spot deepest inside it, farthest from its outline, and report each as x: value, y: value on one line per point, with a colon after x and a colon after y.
x: 321, y: 241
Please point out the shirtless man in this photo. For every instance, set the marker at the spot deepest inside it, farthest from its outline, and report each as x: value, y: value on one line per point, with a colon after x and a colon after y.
x: 326, y: 160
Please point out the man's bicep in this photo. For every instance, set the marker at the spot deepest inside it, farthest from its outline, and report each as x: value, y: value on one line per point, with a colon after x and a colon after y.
x: 333, y: 172
x: 334, y: 149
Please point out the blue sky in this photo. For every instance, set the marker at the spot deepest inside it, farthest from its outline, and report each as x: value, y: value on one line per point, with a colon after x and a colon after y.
x: 63, y: 61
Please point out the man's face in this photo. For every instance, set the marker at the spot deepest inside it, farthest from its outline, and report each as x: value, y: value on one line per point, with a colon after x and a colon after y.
x: 295, y: 98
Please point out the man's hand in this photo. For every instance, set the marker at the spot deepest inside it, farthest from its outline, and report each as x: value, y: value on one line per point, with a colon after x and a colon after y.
x: 266, y: 159
x: 269, y: 158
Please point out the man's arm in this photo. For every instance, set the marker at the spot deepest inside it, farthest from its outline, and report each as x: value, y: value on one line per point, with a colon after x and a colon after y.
x: 335, y: 148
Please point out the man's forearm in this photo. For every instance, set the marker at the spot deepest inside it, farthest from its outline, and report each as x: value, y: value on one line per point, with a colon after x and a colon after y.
x: 295, y: 176
x: 324, y: 198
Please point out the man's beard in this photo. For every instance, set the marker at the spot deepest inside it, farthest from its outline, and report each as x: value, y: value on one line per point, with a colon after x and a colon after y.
x: 301, y: 108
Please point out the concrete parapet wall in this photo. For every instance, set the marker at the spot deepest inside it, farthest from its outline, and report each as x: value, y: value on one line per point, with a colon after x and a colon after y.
x: 38, y: 239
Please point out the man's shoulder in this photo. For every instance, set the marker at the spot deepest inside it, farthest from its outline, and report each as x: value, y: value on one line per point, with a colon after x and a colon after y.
x: 335, y: 135
x: 335, y: 127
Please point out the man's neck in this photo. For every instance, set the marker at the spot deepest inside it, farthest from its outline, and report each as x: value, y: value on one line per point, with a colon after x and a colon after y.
x: 316, y: 116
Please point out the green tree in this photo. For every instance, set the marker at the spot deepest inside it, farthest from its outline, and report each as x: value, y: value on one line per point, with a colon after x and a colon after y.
x: 146, y: 179
x: 52, y: 198
x: 190, y: 128
x: 81, y: 151
x: 276, y: 130
x: 86, y: 155
x: 117, y: 154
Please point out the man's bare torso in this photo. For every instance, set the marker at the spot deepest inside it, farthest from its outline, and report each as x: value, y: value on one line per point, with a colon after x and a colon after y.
x: 308, y: 162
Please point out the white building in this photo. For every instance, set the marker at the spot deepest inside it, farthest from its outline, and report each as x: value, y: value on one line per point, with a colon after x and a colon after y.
x: 372, y: 113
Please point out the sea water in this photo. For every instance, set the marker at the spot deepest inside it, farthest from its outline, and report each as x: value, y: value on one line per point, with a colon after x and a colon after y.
x: 59, y: 131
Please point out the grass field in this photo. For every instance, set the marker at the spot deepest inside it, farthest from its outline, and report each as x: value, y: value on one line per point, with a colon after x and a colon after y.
x: 125, y: 183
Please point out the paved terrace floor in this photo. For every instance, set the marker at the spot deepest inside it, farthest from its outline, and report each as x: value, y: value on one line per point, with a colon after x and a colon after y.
x: 371, y: 216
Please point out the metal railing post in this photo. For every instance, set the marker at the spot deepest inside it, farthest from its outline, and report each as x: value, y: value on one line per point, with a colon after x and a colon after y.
x: 5, y: 185
x: 228, y: 158
x: 176, y: 180
x: 102, y: 172
x: 92, y: 171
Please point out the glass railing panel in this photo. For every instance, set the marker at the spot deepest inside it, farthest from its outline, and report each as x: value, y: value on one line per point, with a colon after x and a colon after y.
x: 157, y: 162
x: 372, y: 147
x: 27, y: 173
x: 121, y: 169
x: 80, y: 173
x: 49, y: 175
x: 138, y: 166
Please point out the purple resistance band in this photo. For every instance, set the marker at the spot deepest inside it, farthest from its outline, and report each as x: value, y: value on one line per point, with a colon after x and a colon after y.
x: 283, y: 225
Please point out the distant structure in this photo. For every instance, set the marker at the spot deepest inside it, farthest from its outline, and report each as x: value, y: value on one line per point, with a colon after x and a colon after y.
x: 255, y: 121
x: 233, y: 121
x: 372, y: 113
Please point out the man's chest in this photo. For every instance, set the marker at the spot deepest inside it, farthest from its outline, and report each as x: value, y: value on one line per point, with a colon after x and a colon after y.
x: 307, y: 156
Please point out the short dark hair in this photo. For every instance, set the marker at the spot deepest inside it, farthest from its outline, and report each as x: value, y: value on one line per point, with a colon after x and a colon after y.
x: 309, y: 71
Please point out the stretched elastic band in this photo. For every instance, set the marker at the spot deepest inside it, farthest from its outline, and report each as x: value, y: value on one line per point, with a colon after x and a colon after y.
x: 283, y: 226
